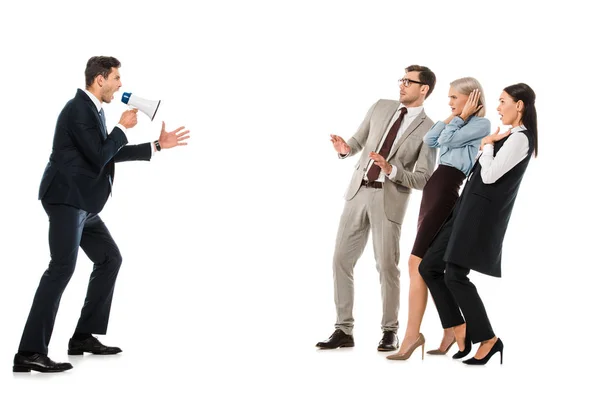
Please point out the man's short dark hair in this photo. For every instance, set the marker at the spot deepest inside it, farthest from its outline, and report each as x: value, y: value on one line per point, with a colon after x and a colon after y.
x: 425, y: 75
x: 99, y: 65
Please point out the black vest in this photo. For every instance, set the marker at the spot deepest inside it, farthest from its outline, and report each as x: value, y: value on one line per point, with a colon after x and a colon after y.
x: 481, y: 216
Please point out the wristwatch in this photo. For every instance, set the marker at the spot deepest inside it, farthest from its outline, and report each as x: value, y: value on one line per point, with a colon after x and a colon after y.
x: 157, y: 145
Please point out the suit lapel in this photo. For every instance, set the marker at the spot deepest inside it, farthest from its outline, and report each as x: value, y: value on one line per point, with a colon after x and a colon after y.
x: 411, y: 128
x: 85, y: 98
x: 386, y: 128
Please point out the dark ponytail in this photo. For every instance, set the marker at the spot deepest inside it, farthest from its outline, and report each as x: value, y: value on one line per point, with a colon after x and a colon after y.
x: 523, y: 92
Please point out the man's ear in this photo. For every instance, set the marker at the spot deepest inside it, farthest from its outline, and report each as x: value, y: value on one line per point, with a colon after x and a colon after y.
x: 424, y: 90
x: 100, y: 80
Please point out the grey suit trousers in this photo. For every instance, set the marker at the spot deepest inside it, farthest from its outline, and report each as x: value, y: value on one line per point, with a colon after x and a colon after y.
x: 364, y: 213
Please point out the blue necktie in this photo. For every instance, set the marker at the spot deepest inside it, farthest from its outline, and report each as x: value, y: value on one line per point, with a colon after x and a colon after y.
x: 103, y: 120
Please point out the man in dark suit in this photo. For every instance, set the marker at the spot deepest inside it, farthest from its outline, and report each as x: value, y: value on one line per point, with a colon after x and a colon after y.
x: 74, y: 189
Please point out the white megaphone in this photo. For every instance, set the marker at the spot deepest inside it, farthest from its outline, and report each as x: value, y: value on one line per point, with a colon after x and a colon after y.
x: 148, y: 107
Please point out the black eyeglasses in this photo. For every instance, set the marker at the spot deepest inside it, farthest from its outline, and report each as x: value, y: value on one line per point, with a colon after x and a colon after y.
x: 406, y: 82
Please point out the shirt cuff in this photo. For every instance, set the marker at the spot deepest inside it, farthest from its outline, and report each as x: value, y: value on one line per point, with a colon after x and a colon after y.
x: 458, y: 121
x: 392, y: 174
x: 488, y: 150
x: 343, y: 155
x: 121, y: 127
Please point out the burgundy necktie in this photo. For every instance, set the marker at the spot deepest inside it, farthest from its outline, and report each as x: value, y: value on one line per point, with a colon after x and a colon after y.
x: 375, y: 170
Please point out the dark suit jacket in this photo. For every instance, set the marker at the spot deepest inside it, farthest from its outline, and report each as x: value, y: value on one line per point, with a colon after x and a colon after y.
x: 482, y: 215
x: 82, y: 164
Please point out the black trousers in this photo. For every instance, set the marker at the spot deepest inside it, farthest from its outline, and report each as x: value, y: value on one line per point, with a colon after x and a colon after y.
x: 452, y: 291
x: 71, y: 228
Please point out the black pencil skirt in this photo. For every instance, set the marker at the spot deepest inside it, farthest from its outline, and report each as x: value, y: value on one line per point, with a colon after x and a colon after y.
x: 439, y: 196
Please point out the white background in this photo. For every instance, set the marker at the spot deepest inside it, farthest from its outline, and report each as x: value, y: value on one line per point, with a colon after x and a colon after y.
x: 226, y: 283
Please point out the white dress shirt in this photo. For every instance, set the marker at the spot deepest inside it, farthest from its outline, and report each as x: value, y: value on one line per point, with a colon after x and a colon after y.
x: 514, y: 150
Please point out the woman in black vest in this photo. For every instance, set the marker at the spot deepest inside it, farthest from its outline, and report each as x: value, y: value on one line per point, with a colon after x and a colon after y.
x: 471, y: 238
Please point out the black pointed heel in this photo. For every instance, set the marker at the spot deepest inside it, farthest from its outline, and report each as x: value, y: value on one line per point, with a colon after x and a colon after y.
x: 497, y: 347
x: 467, y: 350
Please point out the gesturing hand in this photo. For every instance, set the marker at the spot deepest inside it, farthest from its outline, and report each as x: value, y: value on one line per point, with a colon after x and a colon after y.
x: 174, y: 138
x: 493, y: 138
x: 380, y: 162
x: 340, y: 145
x: 472, y: 105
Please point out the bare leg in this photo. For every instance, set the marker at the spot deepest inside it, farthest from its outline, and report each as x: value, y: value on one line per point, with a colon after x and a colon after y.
x: 447, y: 340
x: 417, y: 301
x: 460, y: 332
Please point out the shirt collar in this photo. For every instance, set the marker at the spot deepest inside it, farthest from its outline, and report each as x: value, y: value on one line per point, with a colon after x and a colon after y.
x: 94, y: 99
x: 411, y: 111
x: 519, y: 128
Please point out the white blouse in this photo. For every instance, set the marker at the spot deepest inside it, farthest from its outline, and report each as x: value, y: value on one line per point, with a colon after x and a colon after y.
x: 513, y: 151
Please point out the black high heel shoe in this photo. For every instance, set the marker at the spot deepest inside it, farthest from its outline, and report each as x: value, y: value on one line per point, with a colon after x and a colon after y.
x: 467, y: 350
x: 497, y: 347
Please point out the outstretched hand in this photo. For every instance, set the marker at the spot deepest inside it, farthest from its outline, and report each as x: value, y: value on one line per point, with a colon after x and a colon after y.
x: 340, y: 145
x: 177, y: 137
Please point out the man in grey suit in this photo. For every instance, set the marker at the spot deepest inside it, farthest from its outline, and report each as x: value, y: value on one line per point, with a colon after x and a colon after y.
x: 393, y: 161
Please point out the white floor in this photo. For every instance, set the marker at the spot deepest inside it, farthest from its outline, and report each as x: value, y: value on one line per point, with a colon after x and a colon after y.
x: 260, y: 344
x: 255, y: 367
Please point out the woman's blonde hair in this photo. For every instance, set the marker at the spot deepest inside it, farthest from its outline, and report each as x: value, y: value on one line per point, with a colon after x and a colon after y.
x: 466, y: 86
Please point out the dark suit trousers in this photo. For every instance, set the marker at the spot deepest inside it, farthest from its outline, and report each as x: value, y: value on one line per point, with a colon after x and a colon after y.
x: 452, y: 291
x: 71, y: 228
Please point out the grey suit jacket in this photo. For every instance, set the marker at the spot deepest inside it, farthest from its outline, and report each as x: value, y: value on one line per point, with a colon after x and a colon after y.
x: 414, y: 160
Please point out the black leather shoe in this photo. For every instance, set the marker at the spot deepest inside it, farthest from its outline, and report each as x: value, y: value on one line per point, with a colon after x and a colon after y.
x: 90, y: 345
x: 337, y: 339
x: 38, y: 362
x: 389, y: 341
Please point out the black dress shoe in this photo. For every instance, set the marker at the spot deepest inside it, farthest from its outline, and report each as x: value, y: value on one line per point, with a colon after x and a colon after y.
x: 38, y: 362
x: 337, y: 339
x: 389, y: 341
x: 90, y: 345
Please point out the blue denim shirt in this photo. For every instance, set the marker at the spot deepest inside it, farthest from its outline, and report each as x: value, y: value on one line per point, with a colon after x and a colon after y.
x: 458, y: 141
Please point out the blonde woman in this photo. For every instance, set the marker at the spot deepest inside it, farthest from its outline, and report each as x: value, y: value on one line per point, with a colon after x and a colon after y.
x: 458, y: 137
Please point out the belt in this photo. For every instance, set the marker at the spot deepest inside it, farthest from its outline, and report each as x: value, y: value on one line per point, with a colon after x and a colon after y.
x: 375, y: 185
